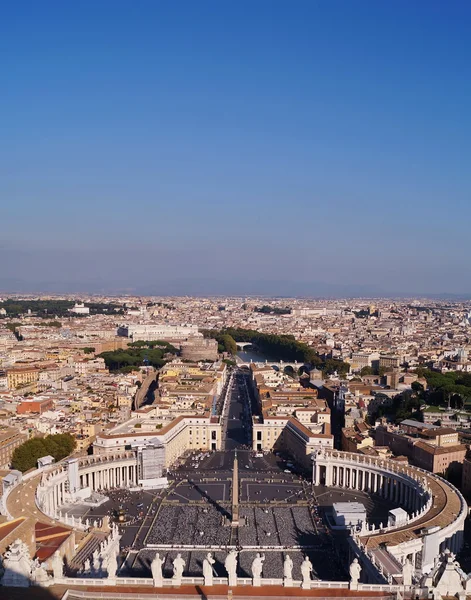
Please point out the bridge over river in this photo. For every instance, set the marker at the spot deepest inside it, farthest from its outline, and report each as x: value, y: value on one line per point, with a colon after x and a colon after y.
x: 279, y: 365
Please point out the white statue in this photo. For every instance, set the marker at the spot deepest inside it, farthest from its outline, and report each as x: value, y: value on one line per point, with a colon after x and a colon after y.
x: 257, y: 568
x: 96, y: 561
x: 39, y: 574
x: 288, y: 571
x: 306, y: 570
x: 230, y: 565
x: 156, y: 569
x: 86, y: 565
x: 288, y: 568
x: 112, y: 565
x: 57, y: 565
x: 208, y: 563
x: 355, y: 571
x: 17, y: 564
x: 178, y: 566
x: 407, y: 571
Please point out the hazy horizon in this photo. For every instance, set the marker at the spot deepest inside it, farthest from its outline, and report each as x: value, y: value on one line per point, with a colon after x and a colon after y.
x: 219, y: 289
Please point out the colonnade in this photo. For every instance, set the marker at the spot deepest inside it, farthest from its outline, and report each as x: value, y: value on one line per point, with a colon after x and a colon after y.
x: 96, y: 473
x: 54, y: 495
x: 406, y: 487
x: 390, y: 486
x: 110, y: 477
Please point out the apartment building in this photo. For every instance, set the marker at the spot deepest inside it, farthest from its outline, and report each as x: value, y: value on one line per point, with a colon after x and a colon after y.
x: 356, y: 438
x: 293, y: 418
x: 435, y: 449
x: 466, y: 475
x: 36, y: 405
x: 19, y: 376
x: 10, y: 439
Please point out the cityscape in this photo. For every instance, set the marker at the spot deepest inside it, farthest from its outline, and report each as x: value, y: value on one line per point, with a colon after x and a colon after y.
x: 235, y: 300
x: 235, y: 442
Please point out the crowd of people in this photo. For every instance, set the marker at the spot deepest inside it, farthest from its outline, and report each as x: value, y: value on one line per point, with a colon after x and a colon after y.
x: 283, y: 526
x: 189, y: 524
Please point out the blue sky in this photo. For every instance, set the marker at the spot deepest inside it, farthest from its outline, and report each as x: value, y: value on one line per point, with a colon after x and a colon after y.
x: 258, y: 146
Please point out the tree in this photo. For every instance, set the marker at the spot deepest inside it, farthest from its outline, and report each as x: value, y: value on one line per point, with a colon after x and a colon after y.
x: 366, y: 371
x: 25, y: 457
x: 417, y: 387
x: 229, y: 344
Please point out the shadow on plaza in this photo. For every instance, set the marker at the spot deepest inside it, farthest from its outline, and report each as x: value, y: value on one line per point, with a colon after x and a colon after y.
x: 210, y: 500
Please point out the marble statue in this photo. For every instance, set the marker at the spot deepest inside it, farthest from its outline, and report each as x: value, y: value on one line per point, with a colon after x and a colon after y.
x: 178, y: 566
x: 257, y: 568
x: 86, y: 565
x: 230, y: 565
x: 306, y: 570
x: 17, y: 564
x: 288, y: 571
x: 57, y: 565
x: 96, y: 561
x: 39, y: 574
x: 112, y: 565
x: 208, y: 563
x: 156, y: 569
x: 106, y: 523
x: 407, y: 571
x: 355, y: 571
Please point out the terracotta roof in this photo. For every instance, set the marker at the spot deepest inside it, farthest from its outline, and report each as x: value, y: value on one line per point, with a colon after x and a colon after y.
x: 9, y: 526
x: 48, y: 539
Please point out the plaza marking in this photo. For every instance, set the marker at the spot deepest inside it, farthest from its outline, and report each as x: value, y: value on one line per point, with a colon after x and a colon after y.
x: 296, y: 494
x: 201, y: 491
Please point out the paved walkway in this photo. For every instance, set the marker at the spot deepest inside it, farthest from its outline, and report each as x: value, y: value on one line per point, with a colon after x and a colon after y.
x: 21, y: 501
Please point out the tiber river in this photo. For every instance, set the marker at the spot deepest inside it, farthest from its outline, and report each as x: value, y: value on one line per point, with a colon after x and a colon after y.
x: 255, y: 356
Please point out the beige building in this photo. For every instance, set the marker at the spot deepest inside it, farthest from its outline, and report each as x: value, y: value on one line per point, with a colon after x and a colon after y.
x: 433, y: 449
x: 390, y: 361
x: 10, y: 439
x: 185, y: 433
x: 199, y: 349
x: 19, y: 376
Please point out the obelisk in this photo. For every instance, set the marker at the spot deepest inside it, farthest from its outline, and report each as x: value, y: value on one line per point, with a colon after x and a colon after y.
x: 235, y: 492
